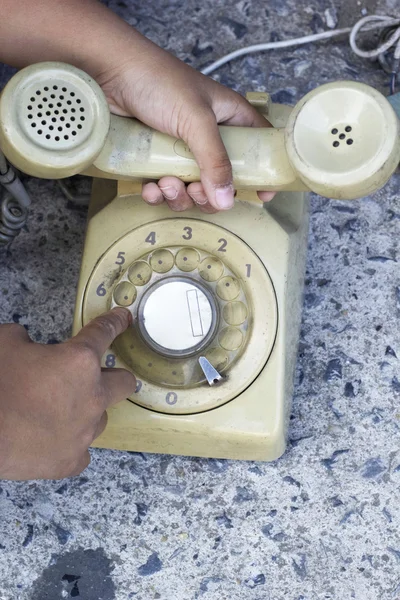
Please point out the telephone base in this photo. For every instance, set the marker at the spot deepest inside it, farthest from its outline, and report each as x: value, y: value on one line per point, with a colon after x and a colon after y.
x: 262, y: 250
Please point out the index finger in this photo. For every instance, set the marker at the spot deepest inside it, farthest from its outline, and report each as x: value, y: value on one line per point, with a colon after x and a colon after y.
x: 100, y: 333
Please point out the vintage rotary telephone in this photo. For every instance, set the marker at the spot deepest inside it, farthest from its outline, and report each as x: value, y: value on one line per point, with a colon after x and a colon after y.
x: 216, y: 299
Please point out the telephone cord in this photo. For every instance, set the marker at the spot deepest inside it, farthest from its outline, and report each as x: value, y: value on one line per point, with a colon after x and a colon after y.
x: 368, y: 23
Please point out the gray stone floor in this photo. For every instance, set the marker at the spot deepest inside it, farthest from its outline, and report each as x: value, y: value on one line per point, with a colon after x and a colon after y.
x: 323, y: 521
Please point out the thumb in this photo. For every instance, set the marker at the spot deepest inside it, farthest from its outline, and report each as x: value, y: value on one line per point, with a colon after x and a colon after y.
x: 209, y: 151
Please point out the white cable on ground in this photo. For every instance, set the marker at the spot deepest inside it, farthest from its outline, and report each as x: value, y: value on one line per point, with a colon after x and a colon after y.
x: 378, y: 21
x: 369, y: 23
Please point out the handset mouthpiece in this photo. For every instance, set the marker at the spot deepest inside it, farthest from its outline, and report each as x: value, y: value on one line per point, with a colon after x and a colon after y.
x: 54, y: 120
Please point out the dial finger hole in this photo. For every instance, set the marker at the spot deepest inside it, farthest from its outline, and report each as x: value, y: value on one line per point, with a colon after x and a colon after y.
x: 139, y: 273
x: 231, y: 338
x: 218, y: 358
x: 228, y: 288
x: 235, y: 313
x: 162, y: 261
x: 211, y: 269
x: 125, y: 294
x: 187, y: 259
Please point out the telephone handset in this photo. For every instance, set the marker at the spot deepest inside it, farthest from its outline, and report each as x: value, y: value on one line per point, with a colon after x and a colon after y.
x: 216, y: 299
x: 340, y: 141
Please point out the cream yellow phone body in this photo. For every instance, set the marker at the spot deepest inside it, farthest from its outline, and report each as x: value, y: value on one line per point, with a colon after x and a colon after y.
x: 216, y: 299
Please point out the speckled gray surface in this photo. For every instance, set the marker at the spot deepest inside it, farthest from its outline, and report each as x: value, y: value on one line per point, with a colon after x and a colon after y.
x: 323, y: 521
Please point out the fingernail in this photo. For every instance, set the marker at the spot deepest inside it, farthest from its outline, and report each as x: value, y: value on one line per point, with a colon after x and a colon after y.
x: 169, y: 192
x: 200, y: 200
x: 224, y: 197
x: 157, y: 200
x: 268, y: 196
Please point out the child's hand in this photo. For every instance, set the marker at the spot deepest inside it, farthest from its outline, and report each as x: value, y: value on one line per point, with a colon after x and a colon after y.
x: 53, y: 398
x: 170, y: 96
x: 139, y: 79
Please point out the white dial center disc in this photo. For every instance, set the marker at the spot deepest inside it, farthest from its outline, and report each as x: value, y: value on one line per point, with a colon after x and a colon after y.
x: 177, y: 316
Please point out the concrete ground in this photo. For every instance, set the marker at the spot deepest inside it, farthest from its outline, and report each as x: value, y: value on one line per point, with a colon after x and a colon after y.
x: 323, y: 521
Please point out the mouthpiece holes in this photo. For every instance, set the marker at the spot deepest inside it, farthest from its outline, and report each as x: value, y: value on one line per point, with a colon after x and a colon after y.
x: 349, y: 142
x: 59, y: 105
x: 336, y: 144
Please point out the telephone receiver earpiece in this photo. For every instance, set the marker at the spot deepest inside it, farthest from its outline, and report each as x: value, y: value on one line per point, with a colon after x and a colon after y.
x: 340, y: 141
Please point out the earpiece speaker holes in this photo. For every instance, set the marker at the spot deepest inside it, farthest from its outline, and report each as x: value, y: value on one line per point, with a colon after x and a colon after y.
x: 342, y: 136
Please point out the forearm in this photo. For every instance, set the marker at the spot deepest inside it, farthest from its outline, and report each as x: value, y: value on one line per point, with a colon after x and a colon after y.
x: 81, y: 32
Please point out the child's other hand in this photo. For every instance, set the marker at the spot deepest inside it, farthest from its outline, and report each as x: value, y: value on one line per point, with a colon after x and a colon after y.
x: 168, y: 95
x: 140, y: 80
x: 53, y: 398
